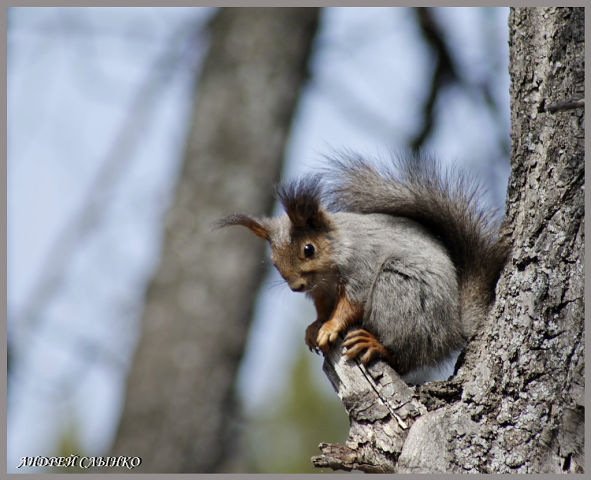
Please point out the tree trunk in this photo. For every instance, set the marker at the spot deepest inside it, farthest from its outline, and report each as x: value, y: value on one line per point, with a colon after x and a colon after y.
x: 180, y: 389
x: 516, y: 403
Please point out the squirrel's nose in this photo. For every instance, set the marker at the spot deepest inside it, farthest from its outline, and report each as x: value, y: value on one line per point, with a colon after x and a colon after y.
x: 297, y: 286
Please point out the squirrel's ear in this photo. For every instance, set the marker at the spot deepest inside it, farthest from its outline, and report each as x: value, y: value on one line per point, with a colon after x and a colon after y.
x: 258, y: 227
x: 301, y: 200
x: 314, y: 219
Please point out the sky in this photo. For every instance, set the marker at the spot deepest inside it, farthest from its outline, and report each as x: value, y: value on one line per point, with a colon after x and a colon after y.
x: 88, y: 184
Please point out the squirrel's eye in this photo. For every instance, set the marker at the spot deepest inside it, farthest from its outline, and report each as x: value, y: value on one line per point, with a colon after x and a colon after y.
x: 308, y: 250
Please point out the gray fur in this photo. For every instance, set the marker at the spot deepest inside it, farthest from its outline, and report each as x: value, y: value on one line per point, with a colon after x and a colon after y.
x: 444, y: 203
x: 406, y: 281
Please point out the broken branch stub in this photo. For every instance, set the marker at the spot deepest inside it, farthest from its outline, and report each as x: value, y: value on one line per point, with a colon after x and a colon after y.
x: 381, y: 409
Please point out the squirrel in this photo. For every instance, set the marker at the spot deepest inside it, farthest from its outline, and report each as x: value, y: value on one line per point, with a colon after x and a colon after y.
x: 400, y: 261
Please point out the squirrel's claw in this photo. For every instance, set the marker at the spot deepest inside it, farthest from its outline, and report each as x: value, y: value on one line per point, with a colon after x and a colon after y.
x: 312, y: 335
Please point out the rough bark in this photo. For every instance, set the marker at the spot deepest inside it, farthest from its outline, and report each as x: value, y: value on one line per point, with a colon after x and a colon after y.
x: 381, y: 409
x: 516, y: 404
x: 180, y: 389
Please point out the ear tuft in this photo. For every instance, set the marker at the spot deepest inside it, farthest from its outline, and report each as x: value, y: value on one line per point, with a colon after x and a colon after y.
x: 258, y: 227
x: 302, y: 202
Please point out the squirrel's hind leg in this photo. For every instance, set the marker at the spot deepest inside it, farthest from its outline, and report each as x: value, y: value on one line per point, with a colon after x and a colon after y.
x: 360, y: 340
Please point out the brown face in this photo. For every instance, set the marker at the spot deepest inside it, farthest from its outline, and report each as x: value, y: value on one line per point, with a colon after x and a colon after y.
x: 300, y: 240
x: 304, y: 261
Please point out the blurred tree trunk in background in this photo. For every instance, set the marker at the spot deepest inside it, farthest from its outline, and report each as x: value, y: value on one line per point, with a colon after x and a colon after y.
x: 180, y: 398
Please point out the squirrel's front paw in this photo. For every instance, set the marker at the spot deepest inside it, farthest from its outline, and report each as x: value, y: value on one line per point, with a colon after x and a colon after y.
x: 312, y: 335
x: 328, y: 333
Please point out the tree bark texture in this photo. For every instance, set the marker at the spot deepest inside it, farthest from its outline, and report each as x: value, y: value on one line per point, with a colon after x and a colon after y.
x: 516, y: 404
x: 179, y: 401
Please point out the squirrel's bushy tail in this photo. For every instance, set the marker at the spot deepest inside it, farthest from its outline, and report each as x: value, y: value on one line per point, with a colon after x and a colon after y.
x: 445, y: 203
